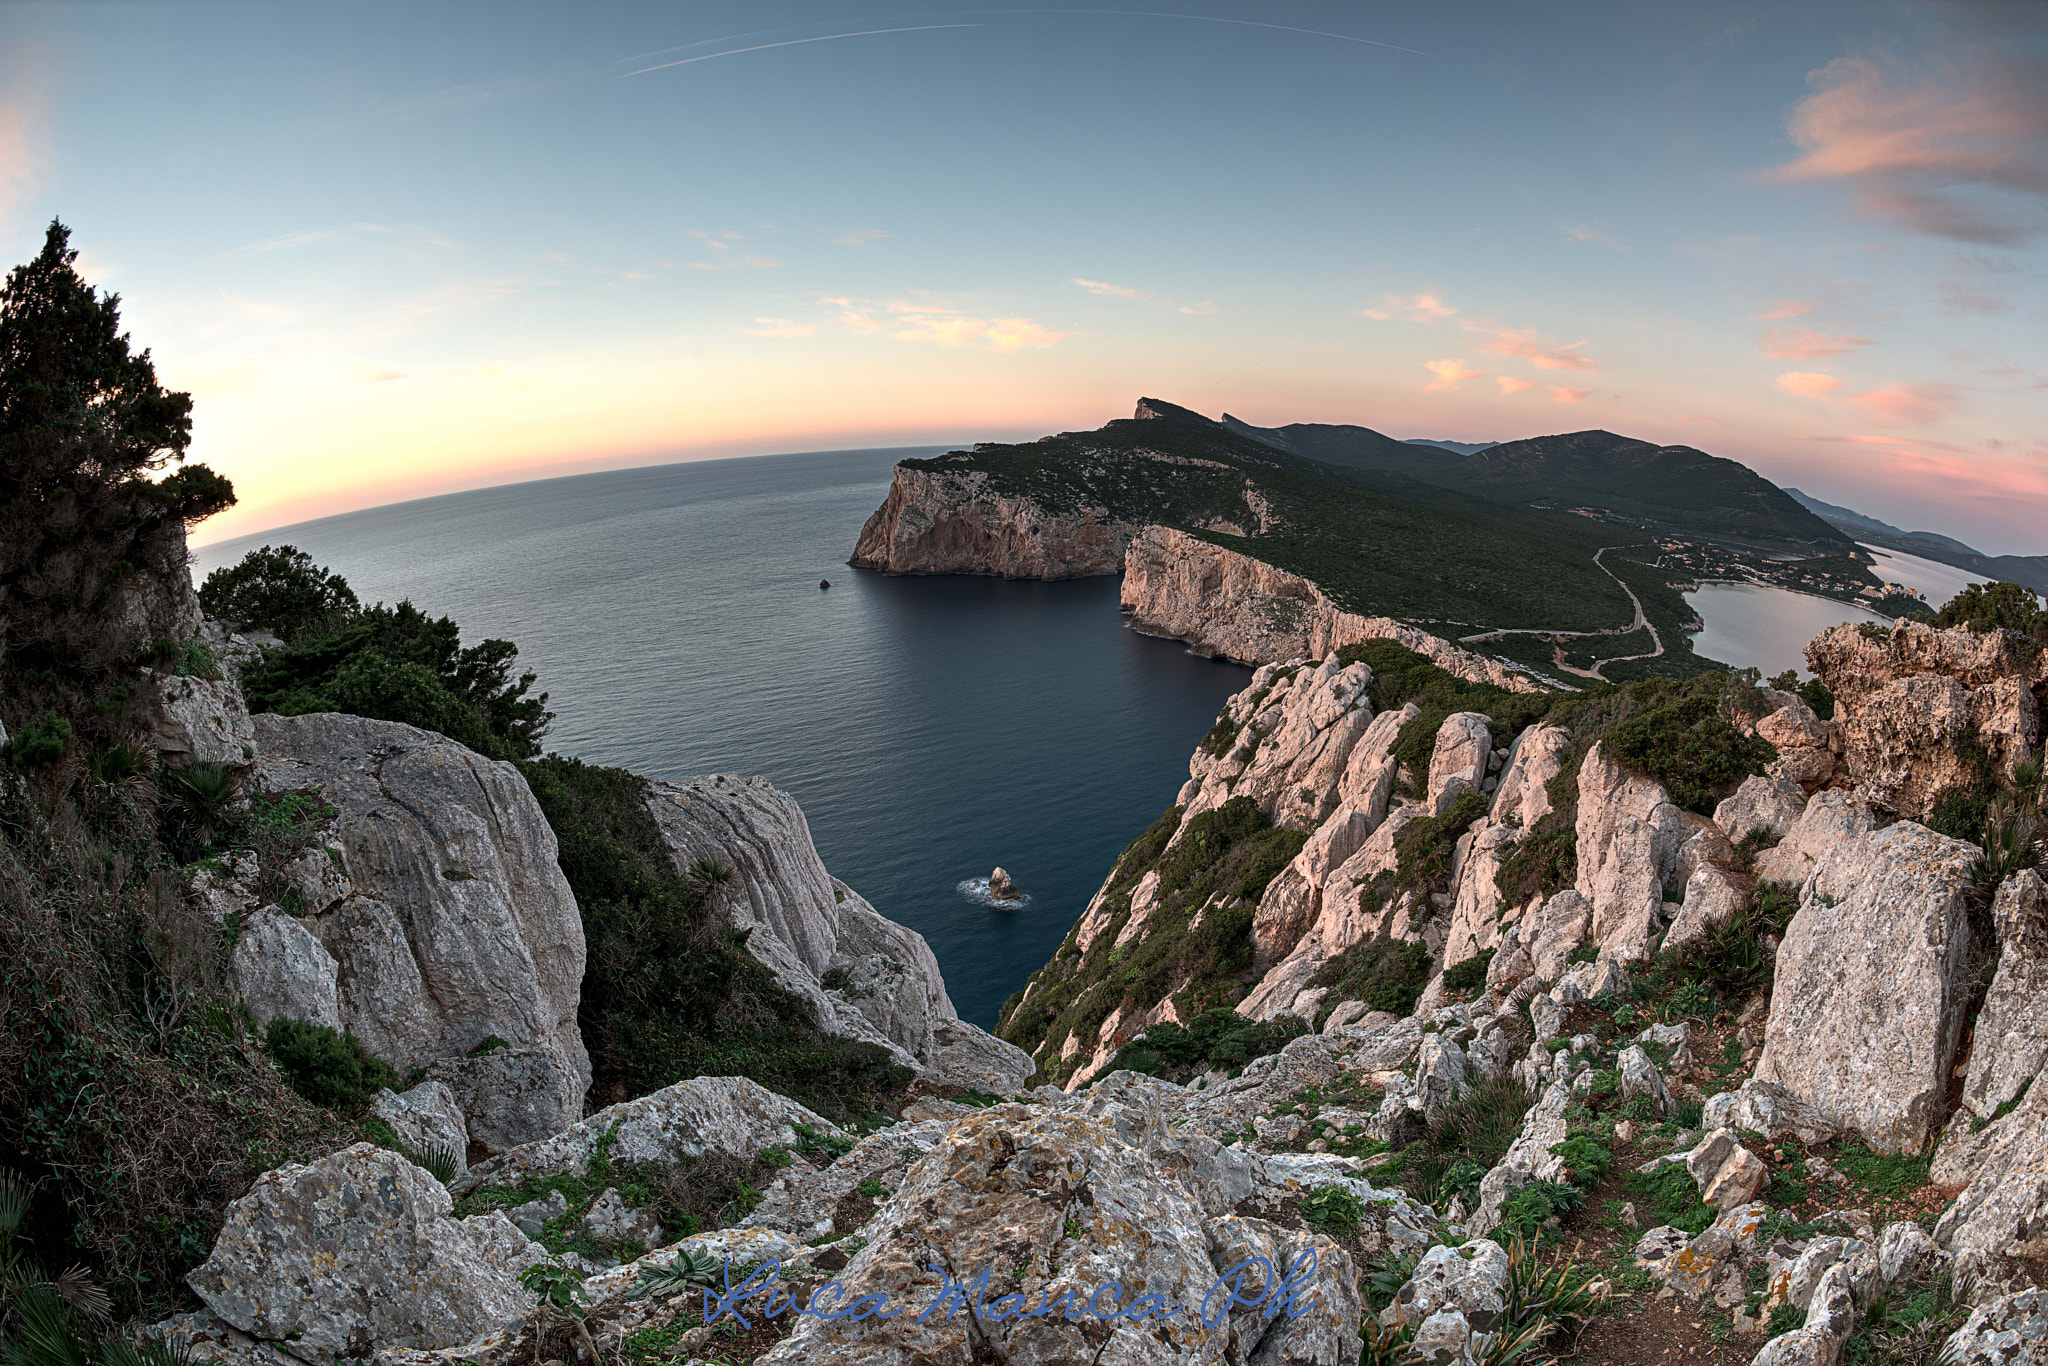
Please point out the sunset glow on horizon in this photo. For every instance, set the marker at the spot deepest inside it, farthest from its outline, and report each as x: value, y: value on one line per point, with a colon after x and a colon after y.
x: 403, y: 251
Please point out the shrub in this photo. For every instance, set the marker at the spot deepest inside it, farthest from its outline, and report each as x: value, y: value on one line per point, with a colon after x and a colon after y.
x: 1685, y: 745
x: 1469, y: 975
x: 1426, y: 847
x: 1669, y: 1196
x: 279, y: 590
x: 1984, y: 607
x: 40, y: 743
x: 669, y: 992
x: 1525, y: 1213
x: 1333, y: 1209
x: 329, y: 1068
x: 1215, y: 1038
x: 1384, y: 972
x: 1542, y: 863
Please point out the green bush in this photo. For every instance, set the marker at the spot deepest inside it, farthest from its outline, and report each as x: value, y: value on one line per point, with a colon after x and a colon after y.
x: 1219, y: 1038
x: 327, y: 1067
x: 398, y: 664
x: 1426, y: 847
x: 279, y: 590
x: 1469, y: 975
x: 1685, y: 745
x: 1333, y: 1209
x: 1986, y: 607
x: 1384, y: 972
x: 1542, y: 863
x: 668, y: 993
x: 40, y: 743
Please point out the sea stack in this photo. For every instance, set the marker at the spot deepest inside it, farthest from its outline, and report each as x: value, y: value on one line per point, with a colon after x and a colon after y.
x: 824, y: 583
x: 1001, y: 888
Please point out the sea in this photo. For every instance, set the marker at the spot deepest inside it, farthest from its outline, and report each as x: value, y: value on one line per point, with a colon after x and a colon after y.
x: 932, y: 728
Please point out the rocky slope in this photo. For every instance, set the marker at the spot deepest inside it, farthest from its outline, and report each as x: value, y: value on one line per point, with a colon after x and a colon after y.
x: 1316, y: 821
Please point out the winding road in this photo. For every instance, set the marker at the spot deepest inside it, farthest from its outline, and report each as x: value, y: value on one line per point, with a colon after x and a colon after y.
x: 1640, y: 623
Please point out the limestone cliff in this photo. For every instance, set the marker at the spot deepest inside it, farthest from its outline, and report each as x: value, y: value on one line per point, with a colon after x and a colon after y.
x: 1228, y: 604
x: 809, y: 928
x: 947, y: 522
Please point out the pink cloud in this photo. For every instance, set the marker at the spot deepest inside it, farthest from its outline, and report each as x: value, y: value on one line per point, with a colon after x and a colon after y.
x: 1546, y: 354
x: 1960, y: 300
x: 1422, y: 308
x: 1800, y: 343
x: 1562, y: 395
x: 1943, y: 149
x: 1511, y: 384
x: 1902, y: 404
x: 21, y: 105
x: 1780, y: 309
x: 1807, y: 384
x: 1114, y: 291
x: 1699, y: 417
x: 1448, y: 373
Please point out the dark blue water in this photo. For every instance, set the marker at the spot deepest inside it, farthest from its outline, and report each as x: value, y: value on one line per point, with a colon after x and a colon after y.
x: 932, y: 728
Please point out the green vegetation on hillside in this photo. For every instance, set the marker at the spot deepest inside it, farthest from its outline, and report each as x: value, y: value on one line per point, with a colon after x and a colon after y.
x: 668, y: 993
x: 1196, y: 944
x: 1380, y: 544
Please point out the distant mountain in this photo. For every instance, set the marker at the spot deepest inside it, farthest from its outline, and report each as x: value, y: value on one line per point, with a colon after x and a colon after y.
x: 1353, y: 448
x: 2028, y: 570
x: 1461, y: 447
x: 1669, y: 490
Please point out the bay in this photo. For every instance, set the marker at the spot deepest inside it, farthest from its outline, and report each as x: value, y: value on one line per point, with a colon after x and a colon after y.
x: 931, y: 728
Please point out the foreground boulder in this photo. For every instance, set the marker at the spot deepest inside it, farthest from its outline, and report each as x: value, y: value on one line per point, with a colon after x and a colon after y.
x: 2011, y: 1046
x: 1867, y: 1004
x: 458, y: 925
x: 1059, y: 1203
x: 2000, y: 1221
x: 728, y: 1114
x: 1628, y: 837
x: 358, y: 1251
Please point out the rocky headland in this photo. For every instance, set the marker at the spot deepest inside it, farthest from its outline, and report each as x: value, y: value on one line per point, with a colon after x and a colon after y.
x: 1347, y: 875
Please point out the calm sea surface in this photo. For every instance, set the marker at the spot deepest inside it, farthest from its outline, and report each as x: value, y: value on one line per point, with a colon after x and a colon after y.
x: 931, y: 728
x: 1750, y: 625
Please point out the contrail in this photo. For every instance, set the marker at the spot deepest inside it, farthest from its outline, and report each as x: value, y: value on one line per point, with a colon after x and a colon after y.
x: 702, y: 42
x: 793, y: 42
x: 1212, y: 19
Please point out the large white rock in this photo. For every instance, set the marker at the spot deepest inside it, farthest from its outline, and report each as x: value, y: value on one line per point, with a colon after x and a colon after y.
x: 1829, y: 819
x: 358, y: 1251
x: 1629, y: 833
x: 461, y: 925
x: 2012, y: 1330
x: 801, y: 923
x: 508, y: 1095
x: 1712, y: 897
x: 1867, y: 1000
x: 731, y: 1115
x: 1457, y: 764
x: 2002, y: 1216
x: 1771, y: 805
x: 1062, y: 1201
x: 2010, y: 1045
x: 199, y: 721
x: 425, y: 1117
x: 279, y: 967
x: 1537, y: 756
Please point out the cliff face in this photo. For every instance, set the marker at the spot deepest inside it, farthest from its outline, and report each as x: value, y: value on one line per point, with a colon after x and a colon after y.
x: 1232, y: 605
x: 938, y: 522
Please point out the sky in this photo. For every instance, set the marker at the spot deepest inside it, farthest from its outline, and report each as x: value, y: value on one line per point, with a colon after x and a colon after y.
x: 399, y: 250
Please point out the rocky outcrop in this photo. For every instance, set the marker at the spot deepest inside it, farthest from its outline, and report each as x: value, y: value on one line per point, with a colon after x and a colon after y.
x: 1829, y: 819
x: 458, y: 924
x: 1235, y: 607
x: 732, y: 1115
x: 2011, y: 1032
x: 280, y: 967
x: 2000, y: 1221
x: 1299, y: 742
x: 1866, y: 1008
x: 801, y: 924
x: 358, y: 1251
x: 1536, y: 757
x: 954, y: 522
x: 1907, y: 701
x: 1628, y: 833
x: 199, y: 720
x: 1769, y: 806
x: 427, y: 1119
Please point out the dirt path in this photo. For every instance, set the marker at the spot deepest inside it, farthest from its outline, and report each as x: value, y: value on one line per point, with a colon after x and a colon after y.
x: 1640, y: 623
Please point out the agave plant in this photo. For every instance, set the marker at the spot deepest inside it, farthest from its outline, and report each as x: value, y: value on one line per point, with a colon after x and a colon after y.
x: 203, y: 796
x: 2011, y: 842
x: 690, y: 1269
